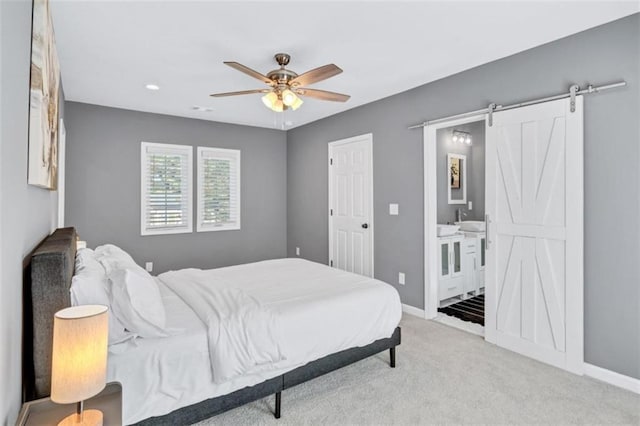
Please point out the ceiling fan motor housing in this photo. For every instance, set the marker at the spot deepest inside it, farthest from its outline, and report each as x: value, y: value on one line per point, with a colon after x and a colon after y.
x: 282, y: 76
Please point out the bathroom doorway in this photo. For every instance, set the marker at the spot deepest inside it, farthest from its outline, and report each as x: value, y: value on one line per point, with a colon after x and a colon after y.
x: 533, y: 228
x: 455, y: 279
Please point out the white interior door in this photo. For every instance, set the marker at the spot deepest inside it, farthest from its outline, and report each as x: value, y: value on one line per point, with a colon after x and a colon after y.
x: 534, y: 203
x: 351, y: 205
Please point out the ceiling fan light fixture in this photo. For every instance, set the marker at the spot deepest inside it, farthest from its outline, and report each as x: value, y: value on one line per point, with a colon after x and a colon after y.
x: 298, y: 102
x: 278, y: 106
x: 288, y: 97
x: 269, y: 100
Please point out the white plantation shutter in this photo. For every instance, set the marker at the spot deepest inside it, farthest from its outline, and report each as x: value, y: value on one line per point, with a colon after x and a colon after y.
x: 166, y: 189
x: 218, y: 189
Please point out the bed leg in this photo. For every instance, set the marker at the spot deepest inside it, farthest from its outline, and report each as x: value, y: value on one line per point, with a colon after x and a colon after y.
x: 278, y: 403
x: 392, y: 357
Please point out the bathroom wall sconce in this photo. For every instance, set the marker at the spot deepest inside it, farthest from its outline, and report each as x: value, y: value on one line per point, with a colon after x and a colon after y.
x: 461, y: 137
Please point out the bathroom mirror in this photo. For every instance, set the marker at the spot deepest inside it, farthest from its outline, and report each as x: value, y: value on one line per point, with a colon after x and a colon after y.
x: 457, y: 178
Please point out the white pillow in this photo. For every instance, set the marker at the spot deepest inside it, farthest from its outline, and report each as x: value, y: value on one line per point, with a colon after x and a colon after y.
x: 86, y: 262
x: 112, y: 257
x: 136, y: 301
x: 91, y: 287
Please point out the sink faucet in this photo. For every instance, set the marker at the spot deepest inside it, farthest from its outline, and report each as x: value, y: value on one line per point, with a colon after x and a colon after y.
x: 459, y: 214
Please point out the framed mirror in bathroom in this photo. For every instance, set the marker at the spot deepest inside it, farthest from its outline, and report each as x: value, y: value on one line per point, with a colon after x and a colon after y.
x: 457, y: 178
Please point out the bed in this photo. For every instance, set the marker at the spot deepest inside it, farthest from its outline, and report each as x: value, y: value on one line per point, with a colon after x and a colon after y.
x: 183, y: 378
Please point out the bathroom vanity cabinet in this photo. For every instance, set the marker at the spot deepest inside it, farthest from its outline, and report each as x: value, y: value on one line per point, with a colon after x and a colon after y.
x: 451, y: 277
x: 461, y: 265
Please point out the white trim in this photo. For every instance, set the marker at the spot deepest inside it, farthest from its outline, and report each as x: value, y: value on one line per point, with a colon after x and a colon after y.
x: 431, y: 210
x: 463, y: 178
x: 412, y: 310
x: 162, y: 231
x: 233, y: 154
x: 611, y: 377
x: 367, y: 137
x: 62, y: 148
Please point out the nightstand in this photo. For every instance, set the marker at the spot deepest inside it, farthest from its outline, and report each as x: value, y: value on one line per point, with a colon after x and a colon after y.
x: 44, y: 412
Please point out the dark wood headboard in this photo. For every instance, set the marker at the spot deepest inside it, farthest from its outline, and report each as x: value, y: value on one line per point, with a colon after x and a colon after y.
x: 47, y: 284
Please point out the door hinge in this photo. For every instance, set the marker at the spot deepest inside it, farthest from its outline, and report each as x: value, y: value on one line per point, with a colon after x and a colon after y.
x: 330, y: 212
x: 331, y: 263
x: 331, y: 161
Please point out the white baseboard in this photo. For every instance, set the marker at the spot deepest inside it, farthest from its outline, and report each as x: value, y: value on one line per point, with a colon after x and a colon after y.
x: 613, y: 378
x: 413, y: 311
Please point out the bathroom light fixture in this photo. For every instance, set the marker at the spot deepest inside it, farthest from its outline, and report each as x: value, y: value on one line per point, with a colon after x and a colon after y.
x: 152, y: 87
x: 461, y: 137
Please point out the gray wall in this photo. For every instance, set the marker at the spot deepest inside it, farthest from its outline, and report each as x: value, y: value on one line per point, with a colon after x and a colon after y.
x: 475, y: 172
x: 28, y: 213
x: 103, y: 186
x: 612, y: 193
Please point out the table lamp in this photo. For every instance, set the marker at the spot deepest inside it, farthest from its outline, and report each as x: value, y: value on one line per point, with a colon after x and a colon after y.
x: 79, y: 360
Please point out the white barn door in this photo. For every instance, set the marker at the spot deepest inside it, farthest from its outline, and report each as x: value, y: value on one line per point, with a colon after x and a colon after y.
x: 351, y: 205
x: 534, y: 199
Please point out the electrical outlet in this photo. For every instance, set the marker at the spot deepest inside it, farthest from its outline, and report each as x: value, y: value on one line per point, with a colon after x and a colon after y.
x: 401, y: 278
x: 470, y: 205
x: 148, y: 266
x: 393, y: 209
x: 297, y: 251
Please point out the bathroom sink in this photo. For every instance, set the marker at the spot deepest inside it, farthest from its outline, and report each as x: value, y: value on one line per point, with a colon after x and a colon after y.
x: 471, y: 225
x: 446, y: 230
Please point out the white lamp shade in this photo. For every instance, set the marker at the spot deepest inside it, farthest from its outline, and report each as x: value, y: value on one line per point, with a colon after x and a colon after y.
x: 79, y: 358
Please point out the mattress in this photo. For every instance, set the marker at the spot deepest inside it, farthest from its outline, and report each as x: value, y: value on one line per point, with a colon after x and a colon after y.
x: 161, y: 375
x: 323, y: 310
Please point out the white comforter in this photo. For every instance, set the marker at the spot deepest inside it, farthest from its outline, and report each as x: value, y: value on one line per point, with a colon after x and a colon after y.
x: 284, y: 313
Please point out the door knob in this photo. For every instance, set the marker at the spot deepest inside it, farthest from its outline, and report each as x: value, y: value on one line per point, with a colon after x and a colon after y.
x: 365, y: 225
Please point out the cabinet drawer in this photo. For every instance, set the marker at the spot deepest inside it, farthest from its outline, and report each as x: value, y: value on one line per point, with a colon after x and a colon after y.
x: 449, y: 288
x: 469, y: 246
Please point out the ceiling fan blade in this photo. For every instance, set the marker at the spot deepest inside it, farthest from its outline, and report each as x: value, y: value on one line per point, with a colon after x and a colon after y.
x: 250, y: 72
x: 243, y: 92
x: 316, y: 75
x: 323, y: 95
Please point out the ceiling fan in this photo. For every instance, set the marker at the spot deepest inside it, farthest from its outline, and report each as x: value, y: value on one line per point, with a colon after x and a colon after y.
x: 286, y: 86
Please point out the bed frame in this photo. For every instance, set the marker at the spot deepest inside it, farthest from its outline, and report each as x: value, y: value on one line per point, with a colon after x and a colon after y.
x: 47, y: 283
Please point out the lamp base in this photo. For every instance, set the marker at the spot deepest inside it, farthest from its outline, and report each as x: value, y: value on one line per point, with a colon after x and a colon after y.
x: 89, y: 418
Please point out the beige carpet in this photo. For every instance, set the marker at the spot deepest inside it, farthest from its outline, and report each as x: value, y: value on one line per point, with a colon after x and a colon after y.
x: 444, y: 375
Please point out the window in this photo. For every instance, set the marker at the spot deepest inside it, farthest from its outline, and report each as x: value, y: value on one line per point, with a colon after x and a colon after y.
x: 166, y: 174
x: 218, y: 189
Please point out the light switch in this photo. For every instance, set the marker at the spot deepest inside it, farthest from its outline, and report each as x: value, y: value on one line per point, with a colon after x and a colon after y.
x: 148, y: 266
x: 393, y: 209
x: 297, y: 251
x: 401, y: 278
x: 470, y: 205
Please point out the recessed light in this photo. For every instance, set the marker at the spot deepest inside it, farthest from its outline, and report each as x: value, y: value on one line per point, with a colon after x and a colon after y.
x: 152, y: 87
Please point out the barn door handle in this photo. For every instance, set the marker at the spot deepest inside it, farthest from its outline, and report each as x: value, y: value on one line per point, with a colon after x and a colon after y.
x: 487, y: 221
x: 365, y: 225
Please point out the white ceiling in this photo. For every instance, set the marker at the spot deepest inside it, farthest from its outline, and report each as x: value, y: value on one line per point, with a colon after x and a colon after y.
x: 109, y: 50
